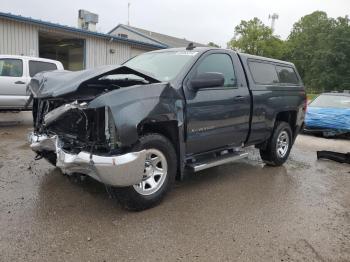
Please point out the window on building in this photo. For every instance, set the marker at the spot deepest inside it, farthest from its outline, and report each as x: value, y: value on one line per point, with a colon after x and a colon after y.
x: 219, y: 63
x: 263, y: 73
x: 38, y: 66
x: 287, y: 75
x: 11, y: 67
x: 123, y: 35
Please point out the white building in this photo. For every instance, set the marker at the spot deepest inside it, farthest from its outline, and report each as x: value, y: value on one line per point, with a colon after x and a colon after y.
x: 79, y: 48
x: 76, y: 48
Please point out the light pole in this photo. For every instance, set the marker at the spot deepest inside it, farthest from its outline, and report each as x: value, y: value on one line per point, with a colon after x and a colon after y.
x: 128, y: 13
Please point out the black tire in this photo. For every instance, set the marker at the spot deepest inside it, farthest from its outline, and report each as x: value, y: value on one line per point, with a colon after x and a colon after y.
x: 270, y: 154
x: 128, y: 197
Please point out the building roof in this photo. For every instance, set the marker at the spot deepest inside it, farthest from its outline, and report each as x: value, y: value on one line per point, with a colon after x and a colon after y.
x: 169, y: 41
x: 77, y: 30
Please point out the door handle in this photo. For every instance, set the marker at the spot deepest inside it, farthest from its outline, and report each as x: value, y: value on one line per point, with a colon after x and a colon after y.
x: 19, y: 83
x: 239, y: 98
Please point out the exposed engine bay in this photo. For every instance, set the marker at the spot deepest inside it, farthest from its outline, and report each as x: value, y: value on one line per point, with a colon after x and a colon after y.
x: 69, y: 117
x: 78, y: 127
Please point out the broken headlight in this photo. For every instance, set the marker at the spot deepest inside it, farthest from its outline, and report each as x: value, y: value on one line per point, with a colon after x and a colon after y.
x: 111, y: 132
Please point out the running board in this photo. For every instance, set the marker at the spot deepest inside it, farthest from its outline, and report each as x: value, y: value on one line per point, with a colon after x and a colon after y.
x: 227, y: 158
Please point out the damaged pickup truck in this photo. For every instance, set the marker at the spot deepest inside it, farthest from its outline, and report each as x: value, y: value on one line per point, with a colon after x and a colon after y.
x: 137, y: 127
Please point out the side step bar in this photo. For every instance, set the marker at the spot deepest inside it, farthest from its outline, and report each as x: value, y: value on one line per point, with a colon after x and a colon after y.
x: 227, y: 158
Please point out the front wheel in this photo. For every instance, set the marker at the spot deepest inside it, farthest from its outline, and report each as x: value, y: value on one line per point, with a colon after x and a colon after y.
x: 279, y: 145
x: 159, y: 174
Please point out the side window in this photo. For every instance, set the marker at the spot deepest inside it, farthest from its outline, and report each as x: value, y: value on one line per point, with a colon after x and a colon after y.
x: 287, y: 75
x: 219, y: 63
x: 11, y: 67
x: 263, y: 73
x: 38, y: 66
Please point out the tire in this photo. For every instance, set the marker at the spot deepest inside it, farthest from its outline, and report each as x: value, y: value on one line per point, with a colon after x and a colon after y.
x: 142, y: 196
x: 279, y: 145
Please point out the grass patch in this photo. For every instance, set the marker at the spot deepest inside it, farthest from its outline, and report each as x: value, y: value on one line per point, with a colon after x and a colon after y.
x: 311, y: 97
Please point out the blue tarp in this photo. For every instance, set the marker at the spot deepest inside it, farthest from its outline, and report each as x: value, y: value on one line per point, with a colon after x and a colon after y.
x: 328, y: 118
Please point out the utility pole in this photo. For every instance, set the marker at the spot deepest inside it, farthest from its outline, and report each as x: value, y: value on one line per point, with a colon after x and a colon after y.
x: 128, y: 13
x: 273, y: 18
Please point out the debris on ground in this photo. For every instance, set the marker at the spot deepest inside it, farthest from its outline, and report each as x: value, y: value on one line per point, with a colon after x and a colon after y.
x: 335, y: 156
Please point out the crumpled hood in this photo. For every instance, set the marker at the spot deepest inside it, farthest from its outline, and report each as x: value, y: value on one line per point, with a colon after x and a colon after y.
x: 328, y: 118
x: 62, y: 82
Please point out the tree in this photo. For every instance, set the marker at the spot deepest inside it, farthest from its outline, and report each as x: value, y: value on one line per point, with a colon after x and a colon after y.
x: 320, y: 48
x: 212, y: 44
x: 253, y: 37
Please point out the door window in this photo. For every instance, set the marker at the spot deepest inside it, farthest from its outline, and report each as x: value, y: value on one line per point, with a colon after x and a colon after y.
x: 38, y: 66
x: 219, y: 63
x: 11, y: 67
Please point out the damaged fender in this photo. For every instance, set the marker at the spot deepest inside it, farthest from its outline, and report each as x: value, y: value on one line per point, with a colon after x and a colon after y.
x: 137, y: 105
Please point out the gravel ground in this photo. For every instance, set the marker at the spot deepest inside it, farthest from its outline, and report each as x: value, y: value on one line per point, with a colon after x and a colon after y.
x: 237, y: 212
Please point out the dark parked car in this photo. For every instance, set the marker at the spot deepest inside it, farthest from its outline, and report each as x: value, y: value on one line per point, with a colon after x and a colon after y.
x: 329, y: 114
x: 138, y: 126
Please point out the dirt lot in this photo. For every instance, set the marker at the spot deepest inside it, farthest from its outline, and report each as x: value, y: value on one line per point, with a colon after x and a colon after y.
x: 243, y: 211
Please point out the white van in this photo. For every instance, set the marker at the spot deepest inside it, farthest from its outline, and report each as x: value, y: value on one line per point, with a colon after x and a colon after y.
x: 15, y: 74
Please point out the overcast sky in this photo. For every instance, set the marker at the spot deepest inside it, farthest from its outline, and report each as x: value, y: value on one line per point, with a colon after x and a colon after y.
x: 197, y: 20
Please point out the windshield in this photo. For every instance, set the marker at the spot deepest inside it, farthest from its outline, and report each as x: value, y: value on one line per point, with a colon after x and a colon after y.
x: 164, y: 66
x: 331, y: 101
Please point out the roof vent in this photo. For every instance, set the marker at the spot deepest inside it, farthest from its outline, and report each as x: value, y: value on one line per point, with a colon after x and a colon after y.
x: 87, y: 20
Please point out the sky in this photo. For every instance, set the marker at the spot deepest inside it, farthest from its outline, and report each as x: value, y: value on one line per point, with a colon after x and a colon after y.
x: 200, y: 21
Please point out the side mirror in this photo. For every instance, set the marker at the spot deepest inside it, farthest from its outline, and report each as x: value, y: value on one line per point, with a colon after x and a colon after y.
x: 207, y: 80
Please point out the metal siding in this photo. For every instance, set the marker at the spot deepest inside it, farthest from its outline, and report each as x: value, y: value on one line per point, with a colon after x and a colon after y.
x: 137, y: 51
x: 122, y: 53
x: 19, y: 38
x: 98, y: 52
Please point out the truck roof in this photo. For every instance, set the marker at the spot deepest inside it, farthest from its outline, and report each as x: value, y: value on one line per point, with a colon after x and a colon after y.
x: 200, y: 49
x: 243, y: 55
x: 248, y: 56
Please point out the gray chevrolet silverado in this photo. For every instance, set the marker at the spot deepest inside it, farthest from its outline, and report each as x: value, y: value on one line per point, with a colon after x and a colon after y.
x: 139, y: 126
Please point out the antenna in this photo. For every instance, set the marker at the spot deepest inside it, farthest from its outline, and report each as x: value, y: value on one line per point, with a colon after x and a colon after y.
x: 273, y: 18
x: 128, y: 13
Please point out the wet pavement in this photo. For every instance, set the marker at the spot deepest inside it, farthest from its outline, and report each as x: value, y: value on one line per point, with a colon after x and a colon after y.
x: 237, y: 212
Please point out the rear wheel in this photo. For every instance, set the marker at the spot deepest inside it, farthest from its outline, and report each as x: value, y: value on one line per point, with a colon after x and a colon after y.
x: 159, y: 174
x: 279, y: 145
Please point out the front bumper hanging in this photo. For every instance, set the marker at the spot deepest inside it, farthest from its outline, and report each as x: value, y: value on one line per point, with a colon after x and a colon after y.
x: 120, y: 170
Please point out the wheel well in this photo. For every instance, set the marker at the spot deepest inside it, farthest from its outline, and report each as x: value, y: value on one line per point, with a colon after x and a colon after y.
x: 286, y: 116
x: 289, y: 117
x: 169, y: 129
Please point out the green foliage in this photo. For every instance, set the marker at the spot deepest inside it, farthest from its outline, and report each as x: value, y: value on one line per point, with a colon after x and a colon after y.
x: 318, y: 45
x: 212, y: 44
x: 320, y: 48
x: 253, y: 37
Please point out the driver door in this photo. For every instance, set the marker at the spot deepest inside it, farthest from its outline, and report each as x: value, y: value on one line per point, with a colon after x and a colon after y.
x: 216, y: 116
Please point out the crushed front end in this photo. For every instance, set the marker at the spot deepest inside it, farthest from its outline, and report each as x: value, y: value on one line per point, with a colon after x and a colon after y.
x: 80, y: 139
